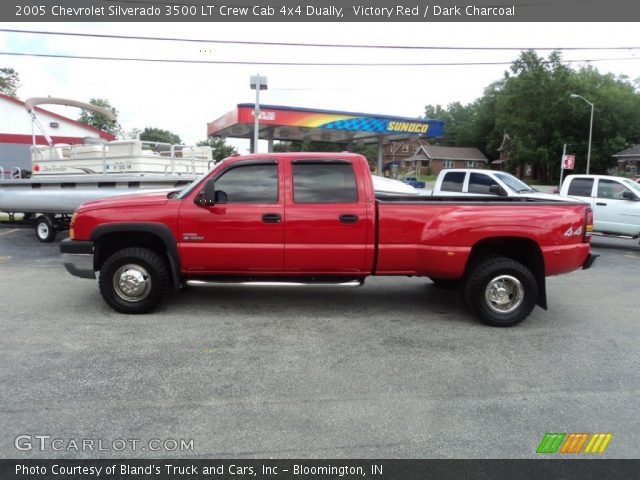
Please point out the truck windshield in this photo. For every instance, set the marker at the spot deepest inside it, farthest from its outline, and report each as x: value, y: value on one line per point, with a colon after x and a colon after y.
x: 187, y: 188
x: 514, y: 183
x: 632, y: 185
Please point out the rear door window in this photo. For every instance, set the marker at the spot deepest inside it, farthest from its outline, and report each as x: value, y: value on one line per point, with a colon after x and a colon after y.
x: 452, y: 182
x: 580, y: 187
x: 324, y: 182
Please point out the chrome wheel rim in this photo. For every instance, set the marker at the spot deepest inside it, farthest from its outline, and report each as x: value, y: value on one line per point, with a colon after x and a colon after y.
x: 43, y: 230
x: 504, y: 294
x: 132, y: 283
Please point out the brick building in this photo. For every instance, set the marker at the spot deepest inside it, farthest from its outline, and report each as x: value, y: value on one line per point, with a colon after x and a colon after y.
x: 416, y: 155
x: 628, y: 160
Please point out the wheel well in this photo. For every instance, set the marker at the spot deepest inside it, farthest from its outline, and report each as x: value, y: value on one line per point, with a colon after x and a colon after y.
x: 110, y: 243
x: 522, y: 250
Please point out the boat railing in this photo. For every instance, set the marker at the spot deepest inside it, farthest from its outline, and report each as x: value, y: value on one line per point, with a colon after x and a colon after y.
x: 165, y: 157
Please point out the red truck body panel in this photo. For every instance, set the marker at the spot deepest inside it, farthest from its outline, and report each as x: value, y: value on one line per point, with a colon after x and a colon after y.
x: 435, y: 239
x: 422, y: 236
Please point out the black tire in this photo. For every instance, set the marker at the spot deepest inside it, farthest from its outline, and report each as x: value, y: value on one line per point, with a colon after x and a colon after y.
x: 148, y: 280
x: 500, y: 291
x: 45, y: 229
x: 445, y: 283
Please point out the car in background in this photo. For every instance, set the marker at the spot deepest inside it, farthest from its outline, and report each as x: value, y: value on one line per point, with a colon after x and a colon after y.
x: 460, y: 182
x: 387, y: 186
x: 615, y: 202
x: 414, y: 182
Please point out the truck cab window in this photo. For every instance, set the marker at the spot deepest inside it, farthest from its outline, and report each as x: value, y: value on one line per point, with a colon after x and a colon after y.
x: 580, y: 187
x: 250, y: 184
x: 452, y: 182
x: 480, y: 183
x: 324, y: 183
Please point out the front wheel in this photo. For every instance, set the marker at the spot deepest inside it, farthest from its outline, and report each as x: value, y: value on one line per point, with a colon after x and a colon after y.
x: 134, y: 280
x: 501, y: 291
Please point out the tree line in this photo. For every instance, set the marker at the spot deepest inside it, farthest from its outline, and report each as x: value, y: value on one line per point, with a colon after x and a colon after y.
x: 532, y: 105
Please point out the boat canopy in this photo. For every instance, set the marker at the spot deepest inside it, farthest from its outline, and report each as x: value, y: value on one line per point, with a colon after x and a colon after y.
x: 30, y: 103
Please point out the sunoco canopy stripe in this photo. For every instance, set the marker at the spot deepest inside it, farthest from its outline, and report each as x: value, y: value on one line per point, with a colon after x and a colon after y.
x: 306, y: 118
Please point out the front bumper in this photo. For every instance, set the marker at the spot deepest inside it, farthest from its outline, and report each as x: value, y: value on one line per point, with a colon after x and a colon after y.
x: 589, y: 261
x: 77, y: 257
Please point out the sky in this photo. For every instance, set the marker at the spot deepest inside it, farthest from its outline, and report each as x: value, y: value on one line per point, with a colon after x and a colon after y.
x: 182, y: 98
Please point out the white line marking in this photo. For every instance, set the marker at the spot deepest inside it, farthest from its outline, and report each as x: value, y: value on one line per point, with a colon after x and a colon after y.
x: 7, y: 233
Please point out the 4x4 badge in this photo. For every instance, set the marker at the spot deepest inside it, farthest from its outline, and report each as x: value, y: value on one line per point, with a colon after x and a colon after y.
x: 570, y: 231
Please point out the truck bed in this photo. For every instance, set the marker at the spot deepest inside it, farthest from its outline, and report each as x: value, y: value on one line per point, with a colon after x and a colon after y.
x: 434, y: 236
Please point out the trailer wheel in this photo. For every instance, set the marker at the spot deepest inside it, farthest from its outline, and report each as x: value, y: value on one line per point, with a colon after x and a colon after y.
x: 500, y: 291
x: 45, y: 229
x: 134, y: 280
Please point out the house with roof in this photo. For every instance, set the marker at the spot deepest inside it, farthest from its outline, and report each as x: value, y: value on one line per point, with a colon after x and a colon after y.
x: 628, y: 160
x: 419, y: 157
x: 17, y: 133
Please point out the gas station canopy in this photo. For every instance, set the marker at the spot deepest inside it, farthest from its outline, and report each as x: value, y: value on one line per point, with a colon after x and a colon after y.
x: 306, y: 124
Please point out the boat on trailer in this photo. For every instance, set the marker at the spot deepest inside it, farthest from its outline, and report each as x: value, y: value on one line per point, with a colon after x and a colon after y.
x: 63, y: 176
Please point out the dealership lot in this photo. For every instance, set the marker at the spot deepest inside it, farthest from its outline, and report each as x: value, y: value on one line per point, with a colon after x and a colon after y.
x: 397, y: 368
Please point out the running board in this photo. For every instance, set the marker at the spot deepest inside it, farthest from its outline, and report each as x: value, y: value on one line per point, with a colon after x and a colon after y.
x: 613, y: 235
x: 277, y: 283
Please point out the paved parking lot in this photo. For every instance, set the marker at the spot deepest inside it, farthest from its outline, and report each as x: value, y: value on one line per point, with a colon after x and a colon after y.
x: 397, y: 368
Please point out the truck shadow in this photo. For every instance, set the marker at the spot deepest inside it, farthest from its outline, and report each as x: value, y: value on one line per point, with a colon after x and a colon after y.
x: 412, y: 299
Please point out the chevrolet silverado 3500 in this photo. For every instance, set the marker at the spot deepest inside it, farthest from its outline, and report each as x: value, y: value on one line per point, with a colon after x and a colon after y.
x: 313, y: 218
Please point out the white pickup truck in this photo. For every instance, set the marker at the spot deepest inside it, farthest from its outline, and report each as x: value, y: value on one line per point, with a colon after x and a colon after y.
x: 615, y: 202
x: 475, y: 182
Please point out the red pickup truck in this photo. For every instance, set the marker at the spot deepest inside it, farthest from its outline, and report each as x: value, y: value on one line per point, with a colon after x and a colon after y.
x: 305, y: 218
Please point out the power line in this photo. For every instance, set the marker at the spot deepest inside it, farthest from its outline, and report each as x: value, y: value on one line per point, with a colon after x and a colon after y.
x: 298, y: 64
x: 296, y: 44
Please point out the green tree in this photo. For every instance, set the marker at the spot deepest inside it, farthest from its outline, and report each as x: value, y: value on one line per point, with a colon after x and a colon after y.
x: 152, y: 134
x: 97, y: 120
x: 221, y: 149
x: 616, y: 117
x: 134, y: 133
x: 532, y: 104
x: 9, y: 81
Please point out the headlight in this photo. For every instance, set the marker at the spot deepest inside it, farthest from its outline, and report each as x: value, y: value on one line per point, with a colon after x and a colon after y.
x: 72, y: 233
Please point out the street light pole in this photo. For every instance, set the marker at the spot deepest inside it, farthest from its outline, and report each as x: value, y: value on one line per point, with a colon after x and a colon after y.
x: 574, y: 95
x: 257, y: 83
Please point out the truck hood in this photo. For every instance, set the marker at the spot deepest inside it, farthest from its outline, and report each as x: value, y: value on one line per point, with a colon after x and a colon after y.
x: 154, y: 197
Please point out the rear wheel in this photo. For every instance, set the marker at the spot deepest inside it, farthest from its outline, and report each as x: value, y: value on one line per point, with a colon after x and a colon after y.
x: 134, y: 280
x: 45, y: 229
x: 501, y: 291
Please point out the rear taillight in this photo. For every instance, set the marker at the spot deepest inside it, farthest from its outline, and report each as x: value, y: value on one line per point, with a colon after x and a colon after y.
x: 588, y: 225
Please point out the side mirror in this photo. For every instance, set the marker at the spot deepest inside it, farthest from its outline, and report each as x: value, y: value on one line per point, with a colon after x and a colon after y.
x: 209, y: 193
x: 628, y: 195
x: 497, y: 190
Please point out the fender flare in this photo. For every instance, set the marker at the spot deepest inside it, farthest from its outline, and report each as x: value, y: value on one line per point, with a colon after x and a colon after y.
x: 160, y: 230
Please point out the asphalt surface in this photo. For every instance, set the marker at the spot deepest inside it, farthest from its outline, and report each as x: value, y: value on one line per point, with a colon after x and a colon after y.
x: 395, y: 369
